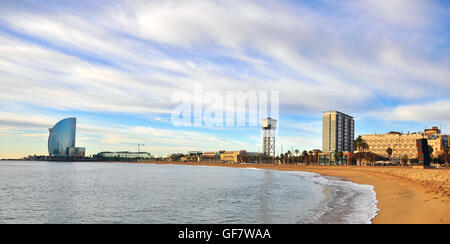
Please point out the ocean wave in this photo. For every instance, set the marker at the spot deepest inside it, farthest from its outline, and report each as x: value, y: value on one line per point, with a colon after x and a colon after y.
x: 345, y: 202
x: 253, y: 168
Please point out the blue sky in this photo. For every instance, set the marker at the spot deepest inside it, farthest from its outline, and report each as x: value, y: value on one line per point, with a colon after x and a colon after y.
x: 115, y: 65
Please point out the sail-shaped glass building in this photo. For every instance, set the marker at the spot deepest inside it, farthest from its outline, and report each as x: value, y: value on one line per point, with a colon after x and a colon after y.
x: 62, y: 137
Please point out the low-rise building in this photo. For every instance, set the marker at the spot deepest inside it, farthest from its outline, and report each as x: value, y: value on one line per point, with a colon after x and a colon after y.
x: 124, y: 155
x: 79, y: 152
x: 232, y: 156
x: 405, y: 144
x: 210, y: 157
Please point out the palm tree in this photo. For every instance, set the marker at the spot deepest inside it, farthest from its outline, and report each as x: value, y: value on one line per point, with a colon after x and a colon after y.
x: 289, y: 154
x: 361, y: 146
x: 389, y: 152
x: 297, y: 152
x: 358, y: 143
x: 316, y: 157
x: 305, y: 157
x: 365, y: 148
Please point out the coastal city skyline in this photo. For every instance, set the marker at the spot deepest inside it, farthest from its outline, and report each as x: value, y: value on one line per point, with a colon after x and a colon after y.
x: 116, y: 67
x: 225, y: 120
x: 338, y: 140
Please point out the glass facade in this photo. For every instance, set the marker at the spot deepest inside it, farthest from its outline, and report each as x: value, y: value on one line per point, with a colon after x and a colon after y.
x: 62, y: 137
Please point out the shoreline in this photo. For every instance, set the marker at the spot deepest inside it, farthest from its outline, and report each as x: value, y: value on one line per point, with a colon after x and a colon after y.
x: 402, y: 199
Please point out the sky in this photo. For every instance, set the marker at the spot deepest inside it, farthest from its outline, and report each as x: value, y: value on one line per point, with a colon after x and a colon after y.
x: 116, y: 65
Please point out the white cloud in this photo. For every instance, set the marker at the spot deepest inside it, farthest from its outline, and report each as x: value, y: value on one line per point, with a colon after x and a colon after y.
x: 313, y: 127
x: 309, y: 54
x: 406, y: 13
x: 431, y: 112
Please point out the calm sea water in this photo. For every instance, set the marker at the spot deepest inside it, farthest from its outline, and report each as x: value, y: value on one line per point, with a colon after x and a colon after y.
x: 82, y: 192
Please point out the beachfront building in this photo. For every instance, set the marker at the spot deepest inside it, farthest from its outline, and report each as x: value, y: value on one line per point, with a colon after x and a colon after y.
x: 436, y: 140
x: 125, y: 155
x: 61, y: 140
x: 192, y: 156
x: 211, y: 156
x: 438, y: 144
x: 232, y: 156
x: 243, y: 156
x: 406, y: 144
x: 338, y: 132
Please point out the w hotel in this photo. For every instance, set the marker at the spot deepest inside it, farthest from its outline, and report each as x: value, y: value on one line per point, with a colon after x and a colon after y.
x: 405, y: 144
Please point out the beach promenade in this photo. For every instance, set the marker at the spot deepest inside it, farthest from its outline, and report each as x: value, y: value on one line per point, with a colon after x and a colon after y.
x: 405, y: 195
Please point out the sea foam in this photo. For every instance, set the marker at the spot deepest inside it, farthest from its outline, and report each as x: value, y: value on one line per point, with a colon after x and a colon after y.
x: 345, y: 202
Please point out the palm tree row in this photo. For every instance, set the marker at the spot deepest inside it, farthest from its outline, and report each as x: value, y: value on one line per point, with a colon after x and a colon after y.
x: 303, y: 158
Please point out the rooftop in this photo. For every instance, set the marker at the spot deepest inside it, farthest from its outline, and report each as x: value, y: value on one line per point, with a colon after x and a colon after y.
x: 336, y: 112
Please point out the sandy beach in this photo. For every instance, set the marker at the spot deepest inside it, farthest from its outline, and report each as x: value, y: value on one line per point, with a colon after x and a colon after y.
x: 405, y: 195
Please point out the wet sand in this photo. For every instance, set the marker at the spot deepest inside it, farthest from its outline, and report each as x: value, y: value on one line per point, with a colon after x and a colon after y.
x: 405, y: 195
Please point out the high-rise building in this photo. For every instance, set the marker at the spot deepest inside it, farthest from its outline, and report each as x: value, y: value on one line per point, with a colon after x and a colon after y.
x: 61, y: 141
x: 338, y: 132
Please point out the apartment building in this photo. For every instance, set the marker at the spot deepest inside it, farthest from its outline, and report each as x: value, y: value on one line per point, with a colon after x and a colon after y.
x: 338, y: 132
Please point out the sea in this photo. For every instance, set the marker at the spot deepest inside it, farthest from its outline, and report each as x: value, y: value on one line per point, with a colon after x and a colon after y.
x: 101, y: 192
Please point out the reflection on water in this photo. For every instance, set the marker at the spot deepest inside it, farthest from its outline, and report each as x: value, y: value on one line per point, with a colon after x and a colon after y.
x: 264, y: 206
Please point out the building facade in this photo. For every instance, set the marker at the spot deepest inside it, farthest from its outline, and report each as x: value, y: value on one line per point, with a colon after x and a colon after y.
x: 210, y: 157
x: 327, y: 158
x: 232, y: 156
x: 124, y: 155
x: 77, y: 152
x: 61, y: 141
x: 338, y: 132
x: 62, y: 137
x: 405, y: 144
